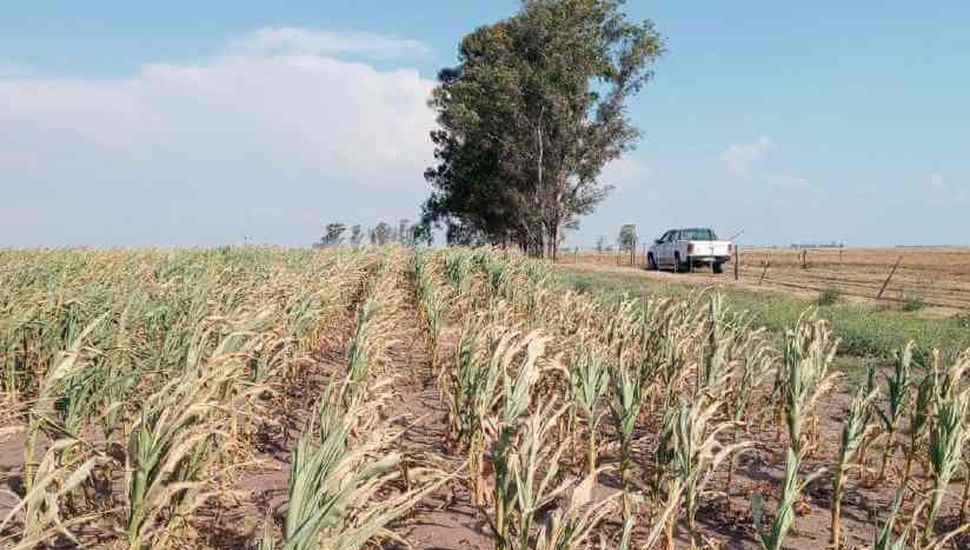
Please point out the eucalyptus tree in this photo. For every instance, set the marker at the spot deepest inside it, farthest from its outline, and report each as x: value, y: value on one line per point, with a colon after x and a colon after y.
x: 534, y: 110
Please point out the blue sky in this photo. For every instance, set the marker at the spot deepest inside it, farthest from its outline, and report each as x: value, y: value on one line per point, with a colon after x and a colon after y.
x: 198, y: 123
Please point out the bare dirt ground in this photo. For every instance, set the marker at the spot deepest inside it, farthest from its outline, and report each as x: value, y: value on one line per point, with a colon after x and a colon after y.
x: 938, y: 277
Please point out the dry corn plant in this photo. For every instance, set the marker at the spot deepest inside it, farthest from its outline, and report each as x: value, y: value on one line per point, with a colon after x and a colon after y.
x: 530, y: 464
x: 667, y: 363
x: 697, y: 453
x: 627, y: 395
x: 891, y: 537
x: 341, y: 492
x: 897, y: 398
x: 965, y: 498
x: 68, y: 366
x: 575, y: 315
x: 466, y: 289
x: 884, y: 537
x: 518, y: 359
x: 870, y: 416
x: 376, y: 323
x: 589, y: 379
x: 919, y: 420
x: 756, y: 361
x: 429, y: 303
x: 177, y: 435
x: 40, y: 508
x: 497, y: 273
x: 361, y: 351
x: 668, y: 345
x: 568, y: 528
x: 527, y: 481
x: 854, y: 431
x: 171, y: 316
x: 473, y: 396
x: 457, y: 269
x: 714, y: 371
x: 809, y: 350
x: 947, y: 438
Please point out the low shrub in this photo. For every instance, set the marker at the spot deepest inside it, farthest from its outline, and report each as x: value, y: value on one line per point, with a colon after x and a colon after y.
x: 583, y: 286
x: 913, y: 302
x: 829, y: 295
x: 962, y: 320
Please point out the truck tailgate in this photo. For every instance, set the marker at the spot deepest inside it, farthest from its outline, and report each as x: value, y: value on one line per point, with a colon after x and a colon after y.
x: 711, y: 248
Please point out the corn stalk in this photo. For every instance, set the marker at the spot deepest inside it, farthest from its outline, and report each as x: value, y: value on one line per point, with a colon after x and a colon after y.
x: 589, y: 378
x: 809, y: 350
x: 947, y: 437
x: 897, y: 385
x: 854, y: 430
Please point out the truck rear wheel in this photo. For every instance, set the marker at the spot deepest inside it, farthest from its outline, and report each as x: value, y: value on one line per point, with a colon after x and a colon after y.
x: 718, y: 267
x: 680, y: 267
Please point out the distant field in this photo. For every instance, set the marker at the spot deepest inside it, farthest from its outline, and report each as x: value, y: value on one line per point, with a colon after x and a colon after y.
x: 925, y: 276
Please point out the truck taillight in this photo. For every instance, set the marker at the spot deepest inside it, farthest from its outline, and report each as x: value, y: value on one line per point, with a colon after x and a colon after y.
x: 690, y: 248
x: 730, y: 249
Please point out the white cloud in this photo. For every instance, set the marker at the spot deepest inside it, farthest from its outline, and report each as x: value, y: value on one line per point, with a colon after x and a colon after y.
x: 935, y: 183
x: 740, y: 158
x: 185, y: 153
x: 8, y: 69
x: 940, y: 191
x: 798, y: 184
x: 290, y: 40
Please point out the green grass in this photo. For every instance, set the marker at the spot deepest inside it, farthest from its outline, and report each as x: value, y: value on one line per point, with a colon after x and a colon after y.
x: 865, y: 331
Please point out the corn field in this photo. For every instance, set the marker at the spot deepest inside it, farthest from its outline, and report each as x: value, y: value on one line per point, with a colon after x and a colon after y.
x: 461, y: 398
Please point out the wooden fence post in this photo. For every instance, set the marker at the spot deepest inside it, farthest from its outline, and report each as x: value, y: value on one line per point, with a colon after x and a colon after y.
x: 737, y: 262
x: 889, y: 278
x: 765, y: 270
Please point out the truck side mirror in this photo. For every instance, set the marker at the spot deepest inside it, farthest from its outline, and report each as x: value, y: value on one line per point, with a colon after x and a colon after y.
x: 658, y: 241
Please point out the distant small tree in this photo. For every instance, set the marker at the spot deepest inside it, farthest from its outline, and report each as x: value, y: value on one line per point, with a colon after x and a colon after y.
x: 421, y: 234
x: 381, y: 234
x: 600, y: 243
x: 403, y: 234
x: 334, y: 234
x: 627, y: 239
x: 356, y: 235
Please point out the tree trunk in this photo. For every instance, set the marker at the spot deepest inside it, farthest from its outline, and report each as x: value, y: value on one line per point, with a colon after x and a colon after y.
x: 554, y: 242
x: 540, y: 159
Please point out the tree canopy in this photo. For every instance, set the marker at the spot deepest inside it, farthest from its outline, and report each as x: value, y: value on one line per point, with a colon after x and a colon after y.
x: 528, y: 118
x: 627, y: 239
x: 333, y: 236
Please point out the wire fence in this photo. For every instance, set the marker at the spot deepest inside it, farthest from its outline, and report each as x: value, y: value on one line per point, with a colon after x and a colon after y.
x: 915, y: 276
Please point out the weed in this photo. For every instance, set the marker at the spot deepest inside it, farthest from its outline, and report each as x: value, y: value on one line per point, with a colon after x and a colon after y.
x: 913, y: 302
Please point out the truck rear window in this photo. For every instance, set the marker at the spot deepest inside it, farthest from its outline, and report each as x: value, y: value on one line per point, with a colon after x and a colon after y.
x: 697, y: 235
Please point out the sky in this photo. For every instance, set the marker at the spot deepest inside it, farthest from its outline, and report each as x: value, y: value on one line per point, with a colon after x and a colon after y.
x: 205, y: 123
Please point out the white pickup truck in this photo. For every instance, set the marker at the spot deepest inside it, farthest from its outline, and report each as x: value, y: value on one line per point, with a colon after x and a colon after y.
x: 684, y: 249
